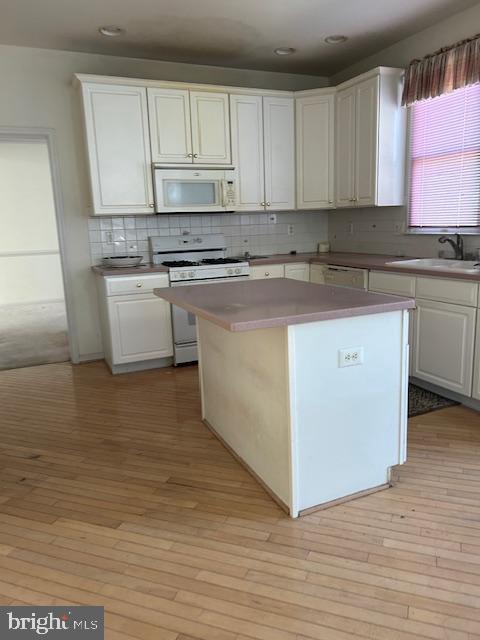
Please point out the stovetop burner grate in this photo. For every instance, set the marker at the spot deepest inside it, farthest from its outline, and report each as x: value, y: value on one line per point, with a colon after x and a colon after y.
x: 180, y: 263
x: 220, y: 261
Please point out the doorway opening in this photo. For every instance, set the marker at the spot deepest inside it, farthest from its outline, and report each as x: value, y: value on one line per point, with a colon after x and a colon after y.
x: 33, y: 317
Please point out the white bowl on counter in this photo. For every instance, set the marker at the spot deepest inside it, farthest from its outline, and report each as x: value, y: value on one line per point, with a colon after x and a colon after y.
x: 122, y: 261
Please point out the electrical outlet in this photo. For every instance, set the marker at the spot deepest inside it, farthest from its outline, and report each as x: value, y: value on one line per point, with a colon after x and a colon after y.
x: 272, y: 218
x: 398, y: 228
x: 350, y: 357
x: 350, y: 228
x: 291, y: 230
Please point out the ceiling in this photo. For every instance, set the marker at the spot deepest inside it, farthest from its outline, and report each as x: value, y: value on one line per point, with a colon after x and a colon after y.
x: 228, y: 33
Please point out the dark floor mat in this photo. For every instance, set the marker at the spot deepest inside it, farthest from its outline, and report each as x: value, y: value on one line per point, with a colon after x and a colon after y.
x: 423, y: 401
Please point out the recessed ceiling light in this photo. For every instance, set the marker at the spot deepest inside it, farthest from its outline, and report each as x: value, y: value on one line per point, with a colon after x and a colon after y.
x: 337, y: 39
x: 284, y: 51
x: 111, y: 31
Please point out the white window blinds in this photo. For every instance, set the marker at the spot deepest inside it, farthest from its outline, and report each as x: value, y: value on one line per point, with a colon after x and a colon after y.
x: 445, y: 160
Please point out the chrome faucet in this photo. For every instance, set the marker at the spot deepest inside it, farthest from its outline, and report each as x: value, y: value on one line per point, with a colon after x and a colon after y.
x: 457, y: 245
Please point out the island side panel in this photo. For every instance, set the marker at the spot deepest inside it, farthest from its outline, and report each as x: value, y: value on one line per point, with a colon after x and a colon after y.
x: 245, y: 398
x: 348, y: 423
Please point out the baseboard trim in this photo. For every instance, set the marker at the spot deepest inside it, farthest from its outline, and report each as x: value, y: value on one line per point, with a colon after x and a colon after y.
x: 351, y: 496
x: 143, y: 365
x: 248, y: 468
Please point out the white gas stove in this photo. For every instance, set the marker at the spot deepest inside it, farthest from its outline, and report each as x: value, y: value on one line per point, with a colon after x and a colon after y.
x: 193, y: 260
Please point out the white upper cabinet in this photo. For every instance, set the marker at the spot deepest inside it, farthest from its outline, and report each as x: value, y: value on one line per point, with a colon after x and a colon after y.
x: 189, y: 126
x: 170, y: 130
x: 279, y: 149
x: 366, y: 130
x: 345, y: 148
x: 370, y: 140
x: 247, y: 148
x: 263, y: 152
x: 315, y: 151
x: 210, y: 127
x: 116, y: 126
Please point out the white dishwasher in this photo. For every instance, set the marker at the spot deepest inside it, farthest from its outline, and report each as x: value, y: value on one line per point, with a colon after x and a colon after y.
x: 346, y: 277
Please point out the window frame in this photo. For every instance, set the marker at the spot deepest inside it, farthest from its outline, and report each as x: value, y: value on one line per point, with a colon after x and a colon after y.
x: 425, y: 231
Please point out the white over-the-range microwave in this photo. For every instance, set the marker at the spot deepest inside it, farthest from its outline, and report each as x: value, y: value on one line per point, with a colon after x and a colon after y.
x: 194, y: 189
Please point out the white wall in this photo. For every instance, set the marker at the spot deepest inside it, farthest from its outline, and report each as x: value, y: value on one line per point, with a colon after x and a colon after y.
x: 374, y: 229
x: 37, y: 92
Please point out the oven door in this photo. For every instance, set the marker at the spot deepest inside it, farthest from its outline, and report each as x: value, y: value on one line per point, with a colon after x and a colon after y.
x: 185, y: 326
x: 192, y: 191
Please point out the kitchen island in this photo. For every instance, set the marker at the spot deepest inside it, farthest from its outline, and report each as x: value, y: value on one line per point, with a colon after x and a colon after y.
x: 306, y: 384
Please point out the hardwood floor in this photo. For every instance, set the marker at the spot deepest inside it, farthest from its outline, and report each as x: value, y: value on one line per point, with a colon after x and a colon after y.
x: 113, y: 493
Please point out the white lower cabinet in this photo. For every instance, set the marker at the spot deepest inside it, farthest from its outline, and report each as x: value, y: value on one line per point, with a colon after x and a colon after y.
x: 298, y: 271
x: 444, y: 345
x: 136, y: 325
x: 267, y: 271
x: 476, y: 368
x: 317, y: 273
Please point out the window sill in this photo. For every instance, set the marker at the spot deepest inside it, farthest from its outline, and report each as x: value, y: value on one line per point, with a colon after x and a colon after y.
x: 442, y: 231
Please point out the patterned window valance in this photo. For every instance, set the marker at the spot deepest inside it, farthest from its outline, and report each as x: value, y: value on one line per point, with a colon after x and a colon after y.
x: 444, y: 71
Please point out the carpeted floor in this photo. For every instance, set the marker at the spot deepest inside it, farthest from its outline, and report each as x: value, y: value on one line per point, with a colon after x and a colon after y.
x: 423, y: 401
x: 33, y: 334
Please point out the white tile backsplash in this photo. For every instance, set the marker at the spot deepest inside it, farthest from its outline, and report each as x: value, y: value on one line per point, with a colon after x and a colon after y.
x: 380, y: 231
x: 243, y: 232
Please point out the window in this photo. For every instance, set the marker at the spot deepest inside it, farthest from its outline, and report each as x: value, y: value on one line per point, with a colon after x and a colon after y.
x: 445, y: 161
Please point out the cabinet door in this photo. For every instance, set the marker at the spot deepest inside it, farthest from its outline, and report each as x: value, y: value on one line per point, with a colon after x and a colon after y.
x: 278, y: 123
x: 300, y: 271
x: 443, y: 345
x: 140, y: 327
x: 476, y: 371
x: 315, y: 151
x: 366, y: 128
x: 317, y: 273
x: 247, y: 150
x: 170, y: 129
x: 267, y: 271
x: 116, y: 122
x: 210, y: 127
x: 345, y: 148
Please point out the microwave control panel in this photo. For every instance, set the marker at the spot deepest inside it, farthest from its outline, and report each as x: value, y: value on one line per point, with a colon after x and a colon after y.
x: 229, y: 194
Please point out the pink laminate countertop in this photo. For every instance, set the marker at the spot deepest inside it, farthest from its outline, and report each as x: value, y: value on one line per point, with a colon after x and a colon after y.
x: 380, y: 263
x: 129, y: 271
x: 277, y: 302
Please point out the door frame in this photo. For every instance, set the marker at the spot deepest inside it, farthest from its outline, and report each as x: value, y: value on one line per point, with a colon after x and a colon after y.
x: 48, y: 135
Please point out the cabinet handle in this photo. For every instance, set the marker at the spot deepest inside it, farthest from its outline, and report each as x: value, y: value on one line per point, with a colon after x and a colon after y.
x: 139, y: 284
x: 195, y: 155
x: 267, y: 273
x: 262, y: 204
x: 268, y: 204
x: 189, y: 155
x: 151, y: 204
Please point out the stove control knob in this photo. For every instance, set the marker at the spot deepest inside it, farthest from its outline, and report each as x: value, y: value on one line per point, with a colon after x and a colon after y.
x: 183, y: 274
x: 230, y: 272
x: 238, y: 270
x: 191, y: 274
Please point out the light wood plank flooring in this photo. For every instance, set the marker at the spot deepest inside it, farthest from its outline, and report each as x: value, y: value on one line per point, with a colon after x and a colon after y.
x: 113, y: 493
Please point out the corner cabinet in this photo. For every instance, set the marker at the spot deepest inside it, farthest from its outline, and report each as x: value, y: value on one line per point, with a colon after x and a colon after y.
x: 136, y: 324
x: 118, y: 146
x: 189, y: 126
x: 263, y: 144
x: 315, y: 118
x: 370, y: 140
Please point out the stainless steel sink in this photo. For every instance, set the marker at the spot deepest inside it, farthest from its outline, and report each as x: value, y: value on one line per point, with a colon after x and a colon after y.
x: 439, y: 264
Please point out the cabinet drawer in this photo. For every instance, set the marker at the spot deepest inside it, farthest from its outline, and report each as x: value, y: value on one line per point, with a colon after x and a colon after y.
x: 393, y: 283
x: 453, y: 291
x: 268, y: 271
x: 298, y: 271
x: 117, y: 286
